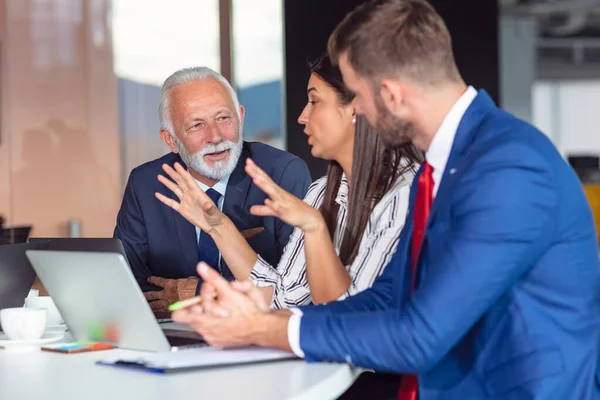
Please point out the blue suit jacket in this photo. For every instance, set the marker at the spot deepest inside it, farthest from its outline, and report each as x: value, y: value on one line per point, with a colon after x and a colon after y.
x: 508, y: 304
x: 160, y: 242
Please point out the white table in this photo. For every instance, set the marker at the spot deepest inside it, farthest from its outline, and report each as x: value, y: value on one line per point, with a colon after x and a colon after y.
x: 54, y: 376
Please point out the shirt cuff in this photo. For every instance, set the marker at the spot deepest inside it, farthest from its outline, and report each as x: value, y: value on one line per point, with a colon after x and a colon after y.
x: 263, y: 274
x: 344, y: 296
x: 294, y: 331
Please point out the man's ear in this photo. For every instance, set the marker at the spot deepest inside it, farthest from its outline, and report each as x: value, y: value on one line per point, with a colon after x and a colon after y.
x: 392, y: 95
x: 242, y: 116
x: 168, y: 140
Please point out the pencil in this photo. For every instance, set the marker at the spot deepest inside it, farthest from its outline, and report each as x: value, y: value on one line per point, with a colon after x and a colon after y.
x: 188, y: 303
x: 185, y: 303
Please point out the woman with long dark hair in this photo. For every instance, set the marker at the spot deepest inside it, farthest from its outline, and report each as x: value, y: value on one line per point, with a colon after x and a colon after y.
x: 348, y: 225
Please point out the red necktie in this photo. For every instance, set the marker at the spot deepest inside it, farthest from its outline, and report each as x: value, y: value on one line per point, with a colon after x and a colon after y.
x: 408, y: 387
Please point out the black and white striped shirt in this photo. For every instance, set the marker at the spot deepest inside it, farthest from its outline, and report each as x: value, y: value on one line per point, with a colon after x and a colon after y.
x: 377, y: 246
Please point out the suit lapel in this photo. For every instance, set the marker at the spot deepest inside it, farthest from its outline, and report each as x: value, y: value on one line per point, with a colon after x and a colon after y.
x: 186, y: 232
x: 465, y: 135
x: 408, y: 228
x: 237, y: 190
x: 408, y: 224
x: 406, y: 245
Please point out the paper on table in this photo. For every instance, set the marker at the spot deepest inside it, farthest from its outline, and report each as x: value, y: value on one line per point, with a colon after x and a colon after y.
x: 204, y: 357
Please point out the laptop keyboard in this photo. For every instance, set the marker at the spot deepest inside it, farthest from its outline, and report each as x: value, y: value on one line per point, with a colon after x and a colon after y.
x: 186, y: 343
x: 184, y: 339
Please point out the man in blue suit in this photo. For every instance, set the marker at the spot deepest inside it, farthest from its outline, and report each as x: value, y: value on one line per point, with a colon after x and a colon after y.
x: 201, y: 123
x: 494, y: 290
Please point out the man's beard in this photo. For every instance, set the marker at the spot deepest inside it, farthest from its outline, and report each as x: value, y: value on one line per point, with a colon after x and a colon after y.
x: 219, y: 169
x: 393, y: 131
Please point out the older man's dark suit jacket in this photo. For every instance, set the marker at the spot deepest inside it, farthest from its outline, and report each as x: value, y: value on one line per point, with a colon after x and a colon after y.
x: 160, y: 242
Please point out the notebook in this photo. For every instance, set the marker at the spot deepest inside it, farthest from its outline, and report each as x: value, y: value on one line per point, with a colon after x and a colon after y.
x: 78, y: 347
x: 204, y: 357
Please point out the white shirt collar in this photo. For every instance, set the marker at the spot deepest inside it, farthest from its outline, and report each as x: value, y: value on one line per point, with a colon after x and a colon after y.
x: 220, y: 187
x: 441, y: 145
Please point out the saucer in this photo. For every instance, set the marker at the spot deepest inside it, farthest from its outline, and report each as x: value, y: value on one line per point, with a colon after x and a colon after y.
x: 56, y: 329
x: 29, y: 345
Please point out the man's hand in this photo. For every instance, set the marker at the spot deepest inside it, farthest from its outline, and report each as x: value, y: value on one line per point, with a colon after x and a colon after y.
x: 230, y: 315
x: 194, y: 205
x: 173, y: 290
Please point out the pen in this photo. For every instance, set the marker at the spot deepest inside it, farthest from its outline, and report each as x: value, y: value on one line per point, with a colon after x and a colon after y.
x: 189, y: 302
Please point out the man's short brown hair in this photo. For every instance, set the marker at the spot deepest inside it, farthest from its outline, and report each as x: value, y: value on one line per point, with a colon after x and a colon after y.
x: 390, y: 37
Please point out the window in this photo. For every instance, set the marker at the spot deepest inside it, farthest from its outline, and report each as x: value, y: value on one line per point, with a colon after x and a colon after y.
x: 151, y: 40
x: 258, y: 64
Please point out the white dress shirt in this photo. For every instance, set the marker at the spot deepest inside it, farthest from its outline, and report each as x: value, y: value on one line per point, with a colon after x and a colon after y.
x: 437, y: 156
x: 221, y: 188
x: 440, y: 147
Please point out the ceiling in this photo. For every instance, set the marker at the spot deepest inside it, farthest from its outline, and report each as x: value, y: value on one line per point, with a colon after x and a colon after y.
x: 568, y: 44
x: 559, y: 18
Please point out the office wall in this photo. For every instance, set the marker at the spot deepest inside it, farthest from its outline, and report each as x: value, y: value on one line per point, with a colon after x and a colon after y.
x: 567, y: 111
x: 4, y: 148
x: 60, y: 150
x: 308, y: 24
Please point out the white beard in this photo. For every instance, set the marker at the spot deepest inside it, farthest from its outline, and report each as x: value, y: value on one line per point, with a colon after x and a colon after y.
x: 219, y: 169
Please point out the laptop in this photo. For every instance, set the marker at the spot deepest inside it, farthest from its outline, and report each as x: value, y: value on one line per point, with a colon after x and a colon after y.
x: 16, y: 273
x: 100, y: 245
x: 100, y: 300
x: 15, y: 235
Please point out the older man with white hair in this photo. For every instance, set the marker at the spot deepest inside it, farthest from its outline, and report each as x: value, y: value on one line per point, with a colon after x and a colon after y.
x: 201, y: 122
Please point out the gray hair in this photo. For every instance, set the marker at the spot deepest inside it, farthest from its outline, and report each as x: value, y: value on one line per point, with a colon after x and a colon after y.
x: 181, y: 77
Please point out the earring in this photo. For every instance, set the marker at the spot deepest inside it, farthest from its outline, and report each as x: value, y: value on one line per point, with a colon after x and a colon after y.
x: 354, y: 121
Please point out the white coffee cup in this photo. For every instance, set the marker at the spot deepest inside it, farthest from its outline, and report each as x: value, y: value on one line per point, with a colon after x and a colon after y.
x: 23, y: 323
x: 45, y: 302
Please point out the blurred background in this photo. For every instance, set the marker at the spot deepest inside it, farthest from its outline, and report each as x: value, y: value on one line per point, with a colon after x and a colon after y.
x: 80, y: 79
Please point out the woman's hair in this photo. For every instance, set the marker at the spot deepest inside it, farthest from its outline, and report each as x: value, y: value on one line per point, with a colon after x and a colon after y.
x: 375, y: 169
